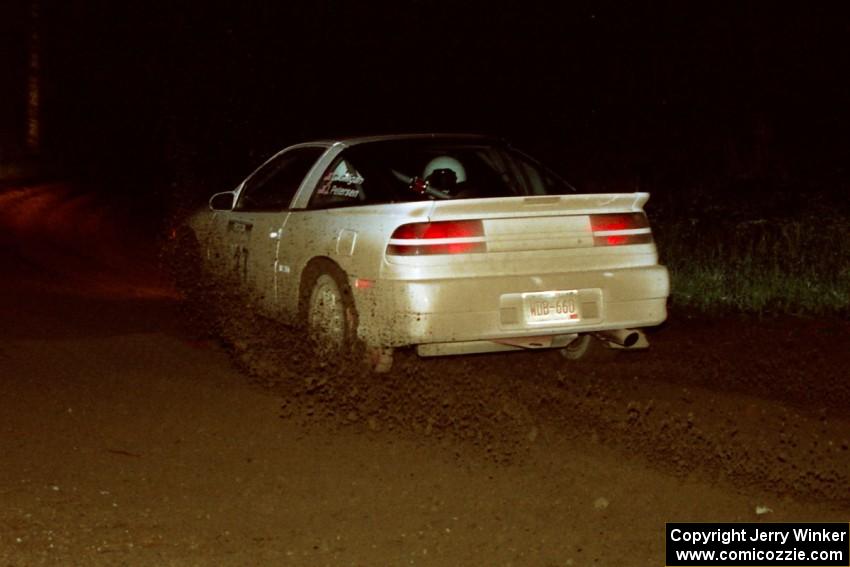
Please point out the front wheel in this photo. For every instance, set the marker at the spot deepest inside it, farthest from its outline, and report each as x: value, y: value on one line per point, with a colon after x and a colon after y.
x: 182, y: 259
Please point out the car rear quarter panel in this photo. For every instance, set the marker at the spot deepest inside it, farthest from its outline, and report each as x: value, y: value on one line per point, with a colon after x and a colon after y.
x: 354, y: 238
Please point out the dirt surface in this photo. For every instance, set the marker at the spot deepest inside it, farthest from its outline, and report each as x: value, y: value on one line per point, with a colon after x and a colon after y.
x: 128, y: 438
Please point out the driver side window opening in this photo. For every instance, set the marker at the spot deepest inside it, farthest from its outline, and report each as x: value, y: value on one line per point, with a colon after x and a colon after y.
x: 272, y: 187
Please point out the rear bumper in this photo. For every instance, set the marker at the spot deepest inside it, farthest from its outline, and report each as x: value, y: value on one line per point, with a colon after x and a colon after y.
x: 416, y: 312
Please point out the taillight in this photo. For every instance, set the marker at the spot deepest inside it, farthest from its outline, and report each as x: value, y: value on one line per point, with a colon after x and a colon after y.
x: 444, y: 237
x: 617, y: 229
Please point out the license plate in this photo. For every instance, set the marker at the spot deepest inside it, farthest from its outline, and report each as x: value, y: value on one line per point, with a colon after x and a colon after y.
x: 551, y: 306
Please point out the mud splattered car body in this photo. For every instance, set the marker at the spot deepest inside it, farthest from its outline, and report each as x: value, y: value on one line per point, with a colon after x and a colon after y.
x: 448, y: 243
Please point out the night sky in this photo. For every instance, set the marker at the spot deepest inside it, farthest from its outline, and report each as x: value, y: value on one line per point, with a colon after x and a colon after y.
x: 652, y: 93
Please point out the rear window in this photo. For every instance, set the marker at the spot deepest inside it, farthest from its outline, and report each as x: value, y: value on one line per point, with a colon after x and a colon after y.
x: 399, y: 171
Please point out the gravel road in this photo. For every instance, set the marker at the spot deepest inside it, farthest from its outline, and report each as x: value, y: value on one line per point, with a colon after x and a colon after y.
x: 127, y: 438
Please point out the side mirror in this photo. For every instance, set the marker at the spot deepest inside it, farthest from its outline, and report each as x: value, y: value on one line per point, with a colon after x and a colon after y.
x: 222, y: 201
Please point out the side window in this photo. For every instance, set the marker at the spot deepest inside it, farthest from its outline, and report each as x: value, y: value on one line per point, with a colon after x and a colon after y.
x: 535, y: 182
x: 272, y: 187
x: 535, y: 179
x: 515, y: 174
x: 340, y: 186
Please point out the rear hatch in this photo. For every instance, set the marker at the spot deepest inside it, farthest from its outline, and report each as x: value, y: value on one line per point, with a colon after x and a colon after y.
x: 527, y: 235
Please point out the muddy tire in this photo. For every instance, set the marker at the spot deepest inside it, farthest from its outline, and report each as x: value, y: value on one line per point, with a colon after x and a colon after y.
x: 331, y: 320
x: 184, y: 263
x: 379, y: 359
x: 331, y: 317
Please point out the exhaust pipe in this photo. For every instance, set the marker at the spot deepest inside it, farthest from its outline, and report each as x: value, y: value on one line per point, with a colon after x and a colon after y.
x: 626, y: 338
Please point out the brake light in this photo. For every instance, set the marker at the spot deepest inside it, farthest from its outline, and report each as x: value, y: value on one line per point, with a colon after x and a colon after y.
x: 444, y: 237
x: 617, y: 229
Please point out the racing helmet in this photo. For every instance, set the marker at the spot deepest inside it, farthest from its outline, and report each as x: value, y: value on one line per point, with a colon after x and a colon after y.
x: 441, y: 169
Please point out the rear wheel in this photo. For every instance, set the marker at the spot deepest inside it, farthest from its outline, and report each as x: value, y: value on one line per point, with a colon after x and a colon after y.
x: 587, y: 347
x: 331, y: 318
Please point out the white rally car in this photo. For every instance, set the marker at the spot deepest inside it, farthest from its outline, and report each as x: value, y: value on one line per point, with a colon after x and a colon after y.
x: 451, y: 244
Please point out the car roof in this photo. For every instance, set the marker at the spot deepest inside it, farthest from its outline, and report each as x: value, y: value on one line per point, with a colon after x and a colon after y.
x: 356, y: 140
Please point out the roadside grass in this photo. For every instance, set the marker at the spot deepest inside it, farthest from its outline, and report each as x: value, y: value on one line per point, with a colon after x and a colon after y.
x: 721, y: 261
